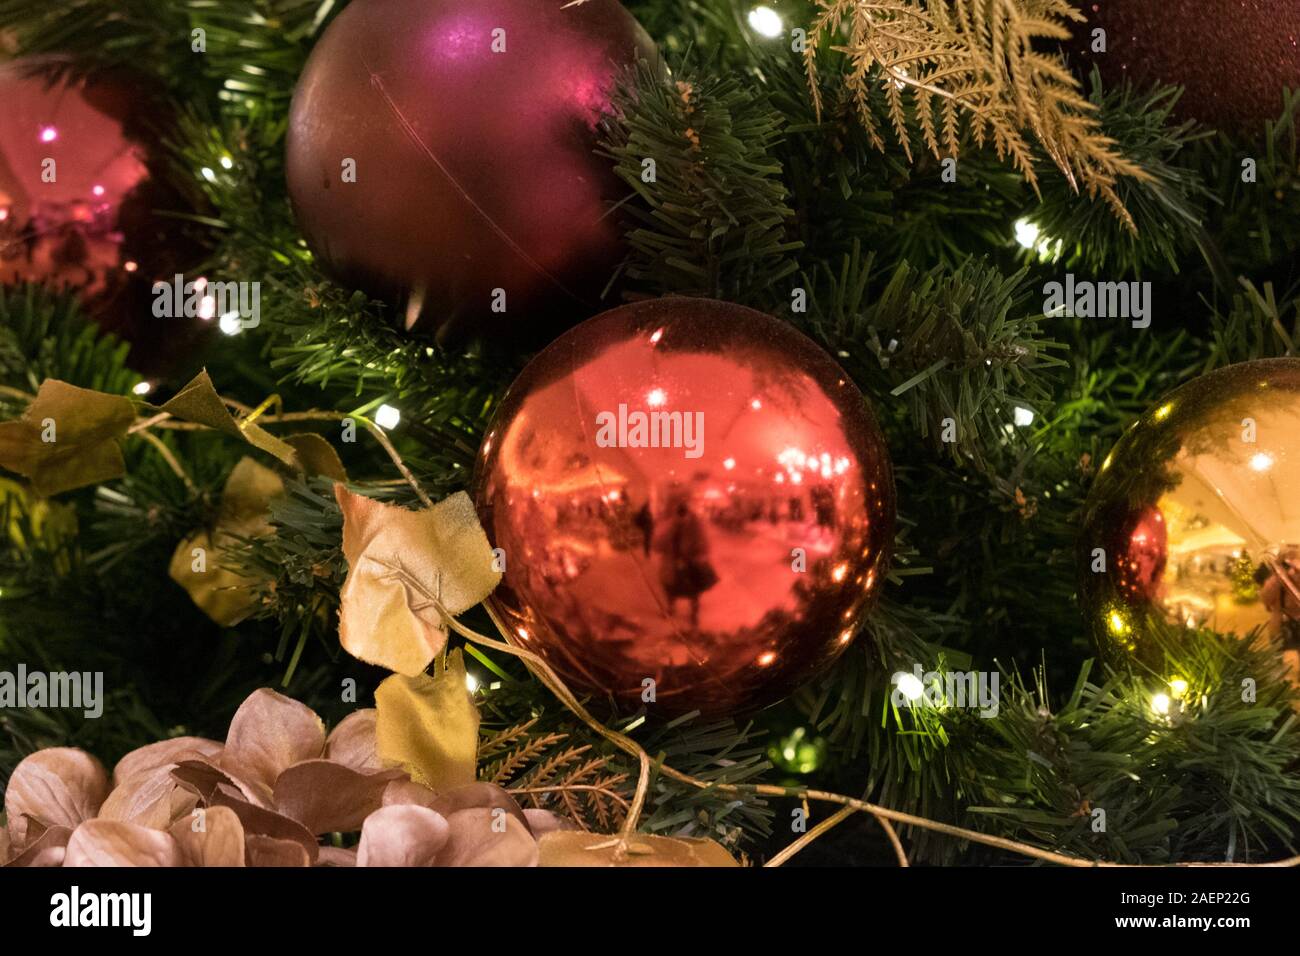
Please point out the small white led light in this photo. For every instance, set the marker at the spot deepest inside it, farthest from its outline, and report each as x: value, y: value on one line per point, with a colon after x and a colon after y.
x: 909, y: 685
x: 1026, y: 233
x: 766, y: 21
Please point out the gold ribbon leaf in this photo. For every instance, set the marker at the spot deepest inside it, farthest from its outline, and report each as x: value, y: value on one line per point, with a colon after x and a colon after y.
x: 316, y: 456
x: 399, y: 561
x: 224, y: 595
x: 428, y: 726
x: 67, y: 438
x: 199, y: 402
x: 577, y: 848
x: 50, y: 523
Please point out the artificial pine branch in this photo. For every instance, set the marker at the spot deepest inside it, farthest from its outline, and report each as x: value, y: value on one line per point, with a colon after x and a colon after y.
x: 1257, y: 223
x: 710, y: 214
x: 1257, y: 324
x: 963, y: 349
x: 43, y: 334
x: 1168, y: 204
x: 998, y: 536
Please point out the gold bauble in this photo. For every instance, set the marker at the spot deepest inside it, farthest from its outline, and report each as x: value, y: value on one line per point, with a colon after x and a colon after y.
x: 1194, y: 518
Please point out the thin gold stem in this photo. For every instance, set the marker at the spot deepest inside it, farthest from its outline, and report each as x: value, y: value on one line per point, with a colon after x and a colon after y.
x: 269, y: 402
x: 893, y: 838
x: 17, y: 393
x: 552, y: 681
x: 171, y: 460
x: 836, y: 818
x: 165, y: 421
x: 144, y: 424
x: 387, y: 445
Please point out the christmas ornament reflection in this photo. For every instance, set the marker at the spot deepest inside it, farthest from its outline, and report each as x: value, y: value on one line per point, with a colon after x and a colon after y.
x: 1195, y: 515
x: 65, y: 169
x: 78, y: 201
x: 728, y: 568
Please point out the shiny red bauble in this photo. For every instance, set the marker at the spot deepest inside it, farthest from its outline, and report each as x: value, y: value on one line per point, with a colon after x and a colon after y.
x: 693, y: 504
x: 441, y: 156
x: 79, y: 204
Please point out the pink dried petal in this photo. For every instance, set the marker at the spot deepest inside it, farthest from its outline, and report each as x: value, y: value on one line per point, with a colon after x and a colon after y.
x: 60, y: 786
x: 265, y: 850
x: 352, y: 743
x: 405, y: 791
x: 113, y: 843
x: 336, y: 856
x: 164, y: 753
x: 47, y: 849
x: 214, y: 838
x: 204, y: 779
x: 402, y: 836
x: 269, y: 734
x: 544, y: 821
x: 144, y: 798
x: 263, y: 822
x: 484, y: 795
x: 483, y: 836
x: 326, y: 797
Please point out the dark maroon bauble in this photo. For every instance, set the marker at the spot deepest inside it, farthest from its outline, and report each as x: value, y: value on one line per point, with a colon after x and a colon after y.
x: 687, y: 492
x: 79, y: 205
x: 1233, y: 57
x: 471, y: 125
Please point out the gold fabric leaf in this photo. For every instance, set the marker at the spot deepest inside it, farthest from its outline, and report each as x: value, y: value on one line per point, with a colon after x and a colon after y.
x: 398, y: 560
x: 50, y: 523
x: 429, y: 726
x: 199, y: 402
x: 577, y: 848
x: 87, y: 427
x: 224, y: 595
x: 317, y: 456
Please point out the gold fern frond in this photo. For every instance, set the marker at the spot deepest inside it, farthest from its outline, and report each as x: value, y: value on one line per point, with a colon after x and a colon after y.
x: 509, y: 765
x: 494, y: 744
x: 977, y: 61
